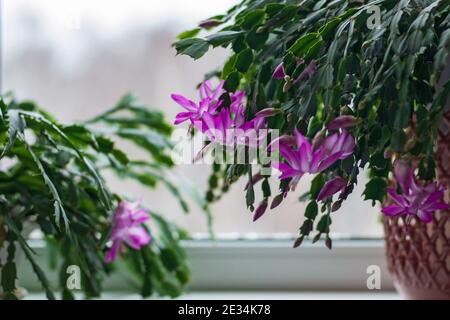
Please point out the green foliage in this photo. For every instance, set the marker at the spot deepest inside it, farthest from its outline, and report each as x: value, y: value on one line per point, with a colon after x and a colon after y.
x: 386, y: 77
x: 53, y: 176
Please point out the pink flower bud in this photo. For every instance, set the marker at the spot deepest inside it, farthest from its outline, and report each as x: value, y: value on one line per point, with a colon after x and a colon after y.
x: 318, y: 138
x: 341, y: 123
x: 255, y: 179
x: 209, y: 23
x: 331, y: 187
x: 279, y: 72
x: 277, y: 201
x: 388, y: 153
x: 260, y: 210
x: 267, y: 112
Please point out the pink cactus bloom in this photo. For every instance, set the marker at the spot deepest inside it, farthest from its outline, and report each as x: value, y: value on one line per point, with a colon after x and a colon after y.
x: 127, y: 229
x: 207, y: 90
x: 415, y: 200
x: 301, y: 157
x: 208, y: 103
x: 229, y: 127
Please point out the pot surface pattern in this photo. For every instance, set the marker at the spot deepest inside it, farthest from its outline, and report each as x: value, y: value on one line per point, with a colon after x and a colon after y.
x: 419, y: 260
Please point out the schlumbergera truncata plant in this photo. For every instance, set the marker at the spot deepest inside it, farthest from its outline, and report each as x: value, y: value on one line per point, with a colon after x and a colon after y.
x: 52, y: 178
x: 349, y: 85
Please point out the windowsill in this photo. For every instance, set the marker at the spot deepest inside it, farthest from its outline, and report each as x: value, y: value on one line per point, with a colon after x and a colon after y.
x: 263, y: 268
x: 253, y: 295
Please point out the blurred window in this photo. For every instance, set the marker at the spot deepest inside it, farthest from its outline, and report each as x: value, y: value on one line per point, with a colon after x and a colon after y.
x: 77, y: 57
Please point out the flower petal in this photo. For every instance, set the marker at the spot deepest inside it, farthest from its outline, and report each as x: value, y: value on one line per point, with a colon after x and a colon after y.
x: 287, y: 171
x: 425, y: 216
x: 111, y: 254
x: 437, y: 206
x: 393, y: 210
x: 136, y: 237
x: 182, y: 116
x: 328, y: 161
x: 404, y: 175
x: 399, y: 199
x: 185, y: 103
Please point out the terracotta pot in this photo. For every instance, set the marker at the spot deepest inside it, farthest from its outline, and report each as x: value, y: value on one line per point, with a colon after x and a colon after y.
x: 419, y: 260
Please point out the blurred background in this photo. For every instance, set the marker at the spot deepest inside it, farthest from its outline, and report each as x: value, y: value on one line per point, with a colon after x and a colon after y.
x: 77, y: 58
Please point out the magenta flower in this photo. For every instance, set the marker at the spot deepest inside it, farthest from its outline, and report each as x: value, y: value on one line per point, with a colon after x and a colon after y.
x: 227, y: 125
x: 237, y: 102
x: 127, y: 229
x: 415, y: 200
x: 208, y: 103
x: 301, y: 157
x: 230, y: 128
x: 207, y: 91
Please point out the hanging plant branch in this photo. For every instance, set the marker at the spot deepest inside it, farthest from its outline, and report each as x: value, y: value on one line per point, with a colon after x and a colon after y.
x: 354, y: 80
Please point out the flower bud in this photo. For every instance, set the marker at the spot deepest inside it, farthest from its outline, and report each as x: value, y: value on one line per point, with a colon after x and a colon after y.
x: 388, y: 153
x: 267, y: 112
x: 331, y: 187
x: 279, y: 73
x: 318, y: 138
x: 277, y: 201
x: 209, y: 23
x: 341, y: 123
x: 260, y: 210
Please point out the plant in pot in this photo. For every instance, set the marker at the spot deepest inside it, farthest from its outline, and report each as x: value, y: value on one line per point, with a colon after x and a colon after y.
x: 52, y: 179
x: 349, y: 85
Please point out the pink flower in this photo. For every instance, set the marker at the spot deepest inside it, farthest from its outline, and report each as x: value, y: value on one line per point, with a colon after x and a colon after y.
x: 127, y: 229
x: 229, y: 127
x: 415, y: 200
x: 301, y: 157
x: 208, y: 102
x: 207, y: 91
